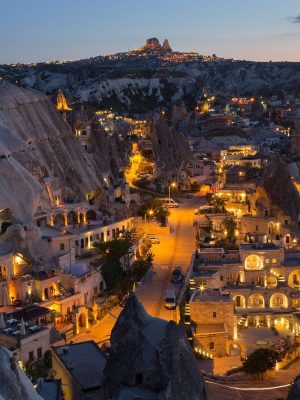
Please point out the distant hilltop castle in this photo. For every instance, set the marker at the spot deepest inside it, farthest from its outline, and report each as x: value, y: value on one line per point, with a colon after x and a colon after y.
x: 152, y: 45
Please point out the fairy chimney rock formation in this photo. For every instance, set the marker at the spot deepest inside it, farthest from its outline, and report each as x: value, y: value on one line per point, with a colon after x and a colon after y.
x: 150, y: 355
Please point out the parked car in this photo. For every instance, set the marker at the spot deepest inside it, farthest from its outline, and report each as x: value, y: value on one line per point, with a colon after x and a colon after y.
x: 176, y: 276
x: 203, y: 209
x: 170, y: 299
x: 170, y: 203
x: 153, y: 239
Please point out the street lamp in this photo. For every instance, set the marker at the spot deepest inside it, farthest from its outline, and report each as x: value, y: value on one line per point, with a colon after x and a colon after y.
x: 173, y: 186
x: 150, y: 213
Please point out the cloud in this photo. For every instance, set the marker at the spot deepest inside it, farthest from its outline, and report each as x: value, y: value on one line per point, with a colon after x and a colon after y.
x: 295, y: 20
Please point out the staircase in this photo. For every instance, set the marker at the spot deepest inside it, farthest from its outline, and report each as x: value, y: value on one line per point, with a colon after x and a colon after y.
x: 242, y: 321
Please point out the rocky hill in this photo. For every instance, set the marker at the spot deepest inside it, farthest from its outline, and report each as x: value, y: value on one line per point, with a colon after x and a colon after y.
x: 152, y: 46
x: 141, y: 80
x: 171, y: 150
x: 150, y: 358
x: 276, y: 191
x: 41, y: 158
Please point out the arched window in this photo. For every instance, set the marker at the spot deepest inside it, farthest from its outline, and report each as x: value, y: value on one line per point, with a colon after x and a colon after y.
x: 295, y: 279
x: 253, y: 262
x: 62, y: 246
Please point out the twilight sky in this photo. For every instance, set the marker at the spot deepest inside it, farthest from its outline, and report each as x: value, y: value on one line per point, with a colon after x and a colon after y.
x: 41, y: 30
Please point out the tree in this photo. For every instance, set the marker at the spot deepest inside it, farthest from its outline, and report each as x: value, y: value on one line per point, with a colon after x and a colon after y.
x: 40, y: 367
x: 260, y: 361
x: 230, y: 229
x: 160, y: 211
x: 116, y: 255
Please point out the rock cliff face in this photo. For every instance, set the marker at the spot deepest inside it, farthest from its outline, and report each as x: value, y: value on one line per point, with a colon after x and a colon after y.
x: 152, y: 45
x: 171, y: 150
x: 276, y: 191
x: 153, y: 355
x: 37, y: 146
x: 40, y: 159
x: 14, y: 384
x: 166, y: 46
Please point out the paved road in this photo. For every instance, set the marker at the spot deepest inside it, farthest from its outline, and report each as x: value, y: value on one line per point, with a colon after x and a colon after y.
x: 175, y: 249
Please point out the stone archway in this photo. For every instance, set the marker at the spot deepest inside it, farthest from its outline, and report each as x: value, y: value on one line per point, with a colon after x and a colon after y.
x: 59, y: 220
x: 81, y: 319
x: 271, y: 281
x: 279, y: 300
x: 236, y: 349
x: 72, y: 217
x: 294, y: 279
x: 253, y: 262
x: 239, y: 301
x: 256, y: 300
x: 91, y: 215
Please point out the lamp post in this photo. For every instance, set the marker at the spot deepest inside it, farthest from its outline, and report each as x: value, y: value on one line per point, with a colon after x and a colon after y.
x: 173, y: 186
x: 150, y: 213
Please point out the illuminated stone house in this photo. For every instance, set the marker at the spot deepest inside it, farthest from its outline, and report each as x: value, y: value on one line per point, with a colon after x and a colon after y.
x: 214, y: 321
x: 263, y: 285
x: 258, y: 228
x: 36, y: 339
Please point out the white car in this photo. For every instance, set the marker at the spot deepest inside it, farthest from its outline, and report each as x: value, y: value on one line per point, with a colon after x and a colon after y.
x: 153, y: 239
x: 170, y: 299
x: 202, y: 209
x: 170, y: 203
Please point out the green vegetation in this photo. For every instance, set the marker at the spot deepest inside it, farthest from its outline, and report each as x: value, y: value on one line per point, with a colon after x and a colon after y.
x: 116, y: 270
x: 40, y: 367
x: 229, y: 241
x: 217, y: 202
x: 156, y: 209
x: 116, y: 255
x: 260, y: 361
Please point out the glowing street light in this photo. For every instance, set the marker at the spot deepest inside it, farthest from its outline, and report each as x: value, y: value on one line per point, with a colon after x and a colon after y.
x: 173, y: 186
x: 150, y: 213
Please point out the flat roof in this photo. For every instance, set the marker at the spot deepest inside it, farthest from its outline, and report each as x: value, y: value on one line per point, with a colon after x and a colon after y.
x: 85, y: 362
x: 49, y: 389
x: 257, y: 217
x: 208, y: 329
x: 259, y: 246
x: 209, y: 295
x: 52, y: 232
x: 29, y: 313
x: 291, y: 262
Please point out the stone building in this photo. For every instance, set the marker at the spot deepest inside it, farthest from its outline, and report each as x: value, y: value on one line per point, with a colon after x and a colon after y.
x: 262, y: 280
x: 79, y: 366
x: 215, y: 324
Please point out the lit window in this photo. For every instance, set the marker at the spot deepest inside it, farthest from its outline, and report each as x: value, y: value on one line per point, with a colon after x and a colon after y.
x: 267, y: 260
x: 274, y: 261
